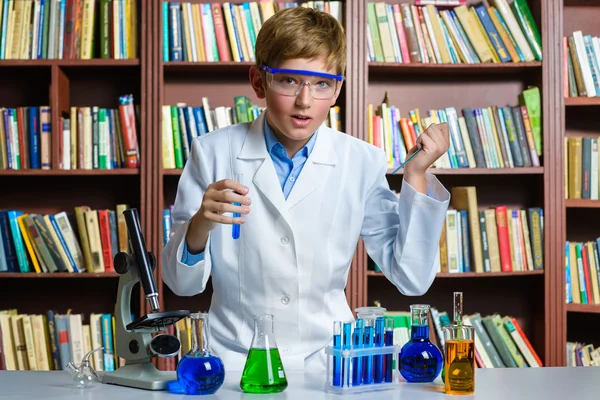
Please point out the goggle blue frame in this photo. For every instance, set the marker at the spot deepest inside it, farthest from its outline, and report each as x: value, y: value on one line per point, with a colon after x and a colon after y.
x: 301, y: 72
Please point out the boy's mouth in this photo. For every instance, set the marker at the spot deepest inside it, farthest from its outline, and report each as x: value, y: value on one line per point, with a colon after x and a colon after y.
x: 301, y: 117
x: 301, y: 121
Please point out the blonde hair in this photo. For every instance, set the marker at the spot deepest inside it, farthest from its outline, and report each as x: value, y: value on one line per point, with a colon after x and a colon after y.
x: 301, y: 32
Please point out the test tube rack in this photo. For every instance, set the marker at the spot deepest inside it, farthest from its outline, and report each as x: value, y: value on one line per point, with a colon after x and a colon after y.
x: 342, y: 360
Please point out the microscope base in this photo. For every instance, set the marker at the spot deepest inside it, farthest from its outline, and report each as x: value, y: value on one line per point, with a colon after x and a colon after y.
x: 141, y: 376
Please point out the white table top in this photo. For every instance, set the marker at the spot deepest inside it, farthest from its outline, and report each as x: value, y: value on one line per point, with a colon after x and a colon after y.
x: 490, y: 384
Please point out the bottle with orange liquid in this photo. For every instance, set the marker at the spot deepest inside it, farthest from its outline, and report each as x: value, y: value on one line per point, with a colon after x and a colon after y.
x: 459, y: 360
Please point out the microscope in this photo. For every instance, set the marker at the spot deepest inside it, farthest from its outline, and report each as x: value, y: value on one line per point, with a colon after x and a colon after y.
x: 134, y: 339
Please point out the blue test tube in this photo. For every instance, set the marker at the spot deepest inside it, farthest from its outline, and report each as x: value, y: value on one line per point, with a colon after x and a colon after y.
x: 337, y: 361
x: 235, y: 228
x: 368, y: 367
x: 357, y: 343
x: 389, y: 341
x: 379, y: 341
x: 346, y: 341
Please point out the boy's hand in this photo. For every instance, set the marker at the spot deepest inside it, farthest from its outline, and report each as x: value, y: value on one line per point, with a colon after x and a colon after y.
x: 434, y: 142
x: 216, y: 201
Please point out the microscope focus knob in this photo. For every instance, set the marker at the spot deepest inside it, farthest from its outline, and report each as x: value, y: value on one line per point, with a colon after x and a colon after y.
x: 122, y: 262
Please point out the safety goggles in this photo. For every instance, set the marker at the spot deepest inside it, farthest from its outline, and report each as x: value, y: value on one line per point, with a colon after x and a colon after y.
x: 289, y: 82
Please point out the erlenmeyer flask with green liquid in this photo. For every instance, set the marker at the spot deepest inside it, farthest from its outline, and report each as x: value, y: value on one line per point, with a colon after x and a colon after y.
x: 263, y: 372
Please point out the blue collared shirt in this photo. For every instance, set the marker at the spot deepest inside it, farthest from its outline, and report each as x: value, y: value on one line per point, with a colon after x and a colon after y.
x: 287, y: 170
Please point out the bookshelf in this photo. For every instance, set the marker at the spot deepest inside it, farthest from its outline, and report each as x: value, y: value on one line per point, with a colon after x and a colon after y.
x: 535, y: 298
x: 580, y: 116
x: 62, y: 84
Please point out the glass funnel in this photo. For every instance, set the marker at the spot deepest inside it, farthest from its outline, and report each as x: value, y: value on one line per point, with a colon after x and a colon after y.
x: 199, y: 371
x: 263, y: 371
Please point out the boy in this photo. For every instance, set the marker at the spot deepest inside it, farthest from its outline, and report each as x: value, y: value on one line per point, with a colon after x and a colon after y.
x: 307, y: 194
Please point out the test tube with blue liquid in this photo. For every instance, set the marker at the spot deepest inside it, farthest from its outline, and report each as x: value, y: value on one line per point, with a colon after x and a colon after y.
x: 337, y: 361
x: 368, y: 360
x: 389, y: 341
x: 235, y: 228
x: 378, y: 360
x: 357, y: 343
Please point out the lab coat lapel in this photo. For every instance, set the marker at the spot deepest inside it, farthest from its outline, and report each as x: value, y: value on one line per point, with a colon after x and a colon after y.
x: 316, y: 169
x: 265, y: 178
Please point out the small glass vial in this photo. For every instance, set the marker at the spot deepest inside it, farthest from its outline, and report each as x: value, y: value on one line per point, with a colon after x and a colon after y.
x: 420, y: 360
x: 199, y: 371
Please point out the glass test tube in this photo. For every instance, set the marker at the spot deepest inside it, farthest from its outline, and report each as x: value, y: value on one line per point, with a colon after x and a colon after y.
x: 346, y: 344
x: 357, y: 343
x: 389, y: 341
x: 378, y: 360
x: 235, y: 228
x: 337, y: 361
x: 368, y: 360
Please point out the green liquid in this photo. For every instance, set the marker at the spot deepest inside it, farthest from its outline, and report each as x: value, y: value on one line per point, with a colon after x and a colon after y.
x: 263, y: 372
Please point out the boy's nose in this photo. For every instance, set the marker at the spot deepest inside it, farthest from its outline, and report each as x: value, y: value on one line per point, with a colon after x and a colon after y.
x: 304, y: 97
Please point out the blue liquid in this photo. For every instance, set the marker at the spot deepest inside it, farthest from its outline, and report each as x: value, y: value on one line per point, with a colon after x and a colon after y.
x: 420, y: 360
x: 378, y: 359
x: 357, y: 342
x: 235, y: 228
x: 389, y: 359
x: 337, y: 361
x: 200, y: 374
x: 368, y: 360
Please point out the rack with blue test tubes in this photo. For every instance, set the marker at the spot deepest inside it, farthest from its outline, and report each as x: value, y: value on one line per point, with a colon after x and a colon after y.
x: 362, y: 357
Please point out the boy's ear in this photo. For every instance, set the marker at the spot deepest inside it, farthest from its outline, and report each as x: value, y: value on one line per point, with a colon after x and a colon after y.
x: 339, y: 90
x: 257, y: 82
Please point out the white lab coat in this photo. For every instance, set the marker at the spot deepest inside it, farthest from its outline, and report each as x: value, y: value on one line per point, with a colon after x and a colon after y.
x: 293, y: 257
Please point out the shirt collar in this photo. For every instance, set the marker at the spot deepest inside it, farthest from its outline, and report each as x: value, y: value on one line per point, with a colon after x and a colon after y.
x: 271, y: 141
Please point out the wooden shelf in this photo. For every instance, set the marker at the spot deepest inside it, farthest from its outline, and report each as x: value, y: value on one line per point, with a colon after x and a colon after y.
x: 175, y: 172
x: 474, y: 274
x: 73, y: 172
x: 187, y: 67
x: 583, y: 308
x: 481, y: 171
x: 34, y: 275
x: 581, y: 203
x: 582, y: 101
x: 484, y: 68
x: 96, y: 62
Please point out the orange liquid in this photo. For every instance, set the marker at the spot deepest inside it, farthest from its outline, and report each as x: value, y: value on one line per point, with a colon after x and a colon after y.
x: 460, y: 367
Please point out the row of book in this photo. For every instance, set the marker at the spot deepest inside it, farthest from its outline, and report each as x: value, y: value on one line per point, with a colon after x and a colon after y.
x: 582, y: 355
x: 581, y: 65
x: 494, y: 239
x: 68, y: 29
x: 222, y: 31
x: 499, y: 341
x: 100, y: 138
x: 47, y: 342
x: 406, y: 33
x: 48, y: 243
x: 487, y: 137
x: 581, y: 168
x: 182, y: 123
x: 25, y: 136
x: 582, y: 272
x: 90, y: 138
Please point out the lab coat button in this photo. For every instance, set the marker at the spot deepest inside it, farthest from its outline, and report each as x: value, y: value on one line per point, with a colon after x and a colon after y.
x: 285, y: 300
x: 292, y: 179
x: 285, y: 240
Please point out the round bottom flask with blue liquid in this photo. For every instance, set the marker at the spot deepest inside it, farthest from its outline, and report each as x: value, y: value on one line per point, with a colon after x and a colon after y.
x: 199, y: 371
x: 420, y: 360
